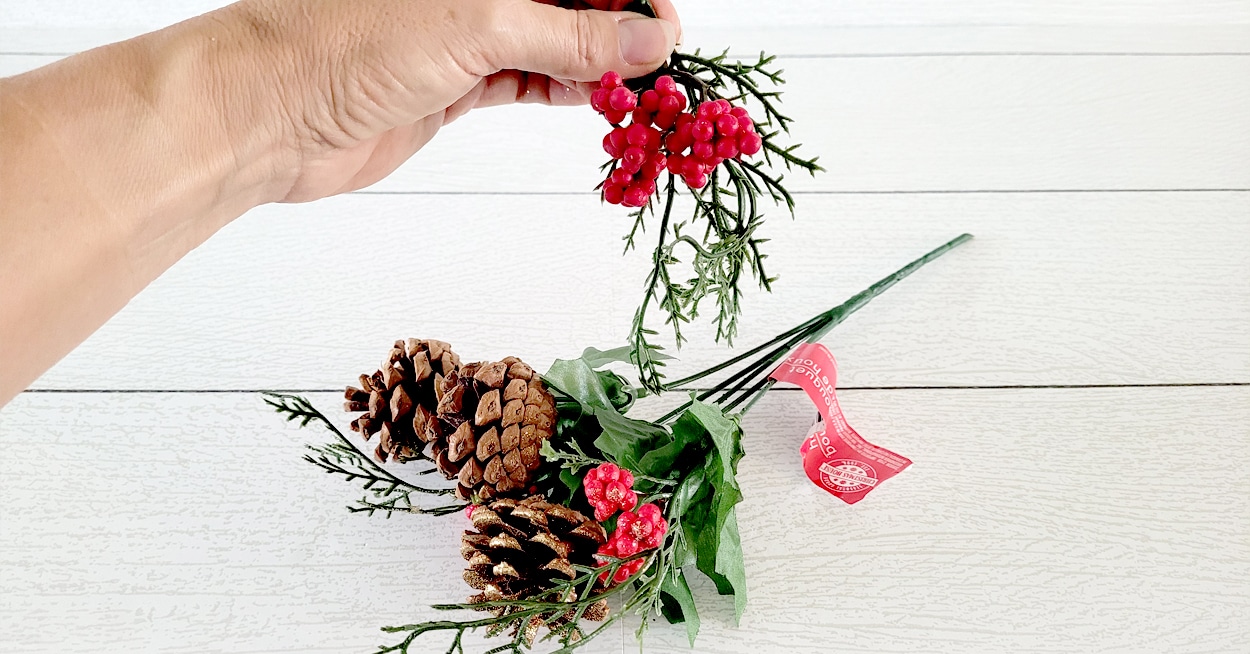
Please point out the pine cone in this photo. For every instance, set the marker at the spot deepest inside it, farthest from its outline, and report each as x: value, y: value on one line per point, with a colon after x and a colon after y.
x: 399, y: 400
x: 492, y: 418
x: 520, y: 547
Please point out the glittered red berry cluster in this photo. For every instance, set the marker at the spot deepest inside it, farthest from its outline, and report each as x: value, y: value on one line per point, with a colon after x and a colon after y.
x: 609, y: 488
x: 663, y: 136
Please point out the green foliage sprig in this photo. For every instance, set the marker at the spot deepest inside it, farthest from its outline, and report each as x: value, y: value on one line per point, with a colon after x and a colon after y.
x: 386, y: 492
x: 718, y: 242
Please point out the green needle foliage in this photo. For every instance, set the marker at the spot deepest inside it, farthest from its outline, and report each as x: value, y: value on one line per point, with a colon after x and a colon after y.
x: 716, y: 249
x: 385, y: 492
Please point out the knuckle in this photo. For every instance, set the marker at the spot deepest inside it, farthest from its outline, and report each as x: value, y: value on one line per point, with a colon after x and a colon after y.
x: 585, y: 40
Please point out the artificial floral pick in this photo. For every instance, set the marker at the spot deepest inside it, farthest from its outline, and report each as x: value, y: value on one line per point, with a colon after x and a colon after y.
x: 612, y: 508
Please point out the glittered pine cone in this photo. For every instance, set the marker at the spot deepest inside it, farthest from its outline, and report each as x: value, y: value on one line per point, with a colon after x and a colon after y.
x: 399, y: 400
x: 492, y: 418
x: 519, y: 548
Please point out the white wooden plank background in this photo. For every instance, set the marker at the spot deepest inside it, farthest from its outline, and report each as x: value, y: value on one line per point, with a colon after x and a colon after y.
x: 1100, y: 152
x: 1035, y: 520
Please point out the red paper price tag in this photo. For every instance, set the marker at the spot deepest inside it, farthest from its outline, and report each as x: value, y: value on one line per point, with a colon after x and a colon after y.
x: 835, y: 456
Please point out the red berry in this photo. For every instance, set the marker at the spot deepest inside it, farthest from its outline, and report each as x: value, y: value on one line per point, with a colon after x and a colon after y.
x: 711, y: 109
x: 619, y: 138
x: 649, y: 100
x: 702, y: 130
x: 727, y: 125
x: 622, y: 178
x: 468, y: 510
x: 726, y: 148
x: 703, y: 150
x: 622, y: 99
x: 627, y: 546
x: 636, y: 134
x: 671, y: 104
x: 608, y: 472
x: 641, y: 116
x: 622, y: 574
x: 592, y: 476
x: 650, y: 512
x: 674, y: 143
x: 635, y: 196
x: 664, y: 120
x: 653, y: 139
x: 614, y: 491
x: 665, y: 85
x: 750, y: 143
x: 605, y: 510
x: 612, y: 194
x: 691, y: 167
x: 685, y: 119
x: 599, y: 99
x: 611, y: 79
x: 675, y: 163
x: 745, y: 124
x: 633, y: 156
x: 739, y: 112
x: 615, y: 117
x: 594, y: 492
x: 630, y: 498
x: 696, y: 181
x: 611, y: 149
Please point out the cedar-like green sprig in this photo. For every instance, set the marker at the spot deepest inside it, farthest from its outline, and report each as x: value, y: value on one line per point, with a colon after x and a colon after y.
x: 387, y: 493
x: 719, y: 239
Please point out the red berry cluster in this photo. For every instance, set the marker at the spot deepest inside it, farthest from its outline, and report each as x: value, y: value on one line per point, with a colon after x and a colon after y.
x: 634, y: 533
x: 716, y: 131
x: 660, y: 134
x: 609, y: 488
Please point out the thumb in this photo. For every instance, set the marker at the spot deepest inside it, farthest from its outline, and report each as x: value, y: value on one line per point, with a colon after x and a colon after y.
x: 578, y: 45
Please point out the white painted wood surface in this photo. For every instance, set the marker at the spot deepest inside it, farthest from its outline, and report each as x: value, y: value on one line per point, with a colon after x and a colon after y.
x: 1035, y: 519
x: 1056, y: 289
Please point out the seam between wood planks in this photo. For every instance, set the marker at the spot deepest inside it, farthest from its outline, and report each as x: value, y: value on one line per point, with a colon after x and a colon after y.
x: 774, y: 390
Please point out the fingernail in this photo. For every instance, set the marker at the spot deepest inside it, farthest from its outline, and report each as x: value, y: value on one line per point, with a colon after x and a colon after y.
x: 646, y: 40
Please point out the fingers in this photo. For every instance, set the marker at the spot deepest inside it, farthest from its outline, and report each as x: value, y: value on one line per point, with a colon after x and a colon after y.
x: 576, y: 45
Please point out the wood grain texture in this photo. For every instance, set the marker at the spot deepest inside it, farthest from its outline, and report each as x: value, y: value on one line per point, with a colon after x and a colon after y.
x: 1077, y: 288
x: 913, y: 123
x: 1109, y: 520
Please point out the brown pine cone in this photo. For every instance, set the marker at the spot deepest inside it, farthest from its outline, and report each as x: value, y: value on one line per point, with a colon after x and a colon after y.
x: 492, y: 418
x: 520, y: 547
x: 399, y: 400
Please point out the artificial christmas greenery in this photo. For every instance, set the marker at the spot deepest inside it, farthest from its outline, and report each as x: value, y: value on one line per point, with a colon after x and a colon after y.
x: 663, y: 494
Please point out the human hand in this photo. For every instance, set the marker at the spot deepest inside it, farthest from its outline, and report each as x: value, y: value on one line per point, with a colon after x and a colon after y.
x: 353, y: 89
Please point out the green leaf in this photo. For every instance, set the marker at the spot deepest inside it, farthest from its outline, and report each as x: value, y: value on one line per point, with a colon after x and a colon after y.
x: 576, y: 379
x: 686, y: 438
x: 625, y: 439
x: 677, y: 588
x: 729, y: 562
x: 726, y: 435
x: 596, y: 358
x: 620, y: 394
x: 688, y: 491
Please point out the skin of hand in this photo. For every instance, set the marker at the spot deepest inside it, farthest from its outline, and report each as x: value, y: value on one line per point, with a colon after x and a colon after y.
x: 116, y: 162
